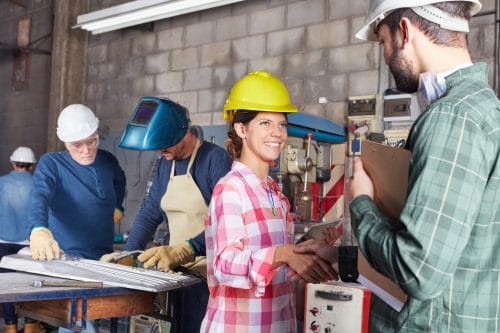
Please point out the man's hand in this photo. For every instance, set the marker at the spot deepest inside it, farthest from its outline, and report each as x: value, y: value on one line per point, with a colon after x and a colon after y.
x: 165, y: 258
x: 321, y: 248
x: 307, y: 267
x: 360, y: 182
x: 43, y: 246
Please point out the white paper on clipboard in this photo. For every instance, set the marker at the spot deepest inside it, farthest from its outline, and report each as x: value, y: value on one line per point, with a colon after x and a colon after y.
x: 392, y: 301
x: 315, y: 231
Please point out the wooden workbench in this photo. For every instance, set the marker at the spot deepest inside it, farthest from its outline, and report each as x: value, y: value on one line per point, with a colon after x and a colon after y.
x: 63, y: 306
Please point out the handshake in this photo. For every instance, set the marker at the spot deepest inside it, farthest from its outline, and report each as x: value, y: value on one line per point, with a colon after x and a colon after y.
x: 312, y: 261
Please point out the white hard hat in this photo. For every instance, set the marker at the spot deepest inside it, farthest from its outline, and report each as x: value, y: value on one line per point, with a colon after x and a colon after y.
x: 76, y: 122
x: 379, y: 9
x: 23, y: 155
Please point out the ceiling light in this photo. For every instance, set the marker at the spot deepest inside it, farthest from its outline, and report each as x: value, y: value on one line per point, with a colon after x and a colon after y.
x: 142, y: 11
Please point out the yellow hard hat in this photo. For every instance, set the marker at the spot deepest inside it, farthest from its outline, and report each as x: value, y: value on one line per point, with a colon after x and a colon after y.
x: 258, y: 91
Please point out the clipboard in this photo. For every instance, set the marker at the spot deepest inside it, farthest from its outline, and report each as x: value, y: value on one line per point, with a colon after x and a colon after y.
x: 315, y: 230
x: 388, y: 169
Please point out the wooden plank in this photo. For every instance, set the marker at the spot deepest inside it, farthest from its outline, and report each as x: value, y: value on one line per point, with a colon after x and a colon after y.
x: 58, y: 312
x: 37, y: 315
x: 119, y: 306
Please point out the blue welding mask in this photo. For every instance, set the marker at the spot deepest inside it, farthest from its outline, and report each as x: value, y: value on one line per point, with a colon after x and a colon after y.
x: 156, y: 123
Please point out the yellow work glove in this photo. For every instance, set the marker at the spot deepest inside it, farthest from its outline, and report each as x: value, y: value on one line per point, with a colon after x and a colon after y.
x: 113, y: 258
x: 167, y: 257
x: 110, y: 257
x: 118, y: 216
x: 43, y: 246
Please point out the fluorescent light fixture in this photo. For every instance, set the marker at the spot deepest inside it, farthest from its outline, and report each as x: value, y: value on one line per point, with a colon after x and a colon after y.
x: 142, y: 11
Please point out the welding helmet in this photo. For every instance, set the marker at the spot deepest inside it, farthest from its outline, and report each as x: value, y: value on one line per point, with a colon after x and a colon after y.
x: 23, y: 155
x: 156, y: 123
x: 76, y: 122
x: 258, y: 91
x: 380, y: 9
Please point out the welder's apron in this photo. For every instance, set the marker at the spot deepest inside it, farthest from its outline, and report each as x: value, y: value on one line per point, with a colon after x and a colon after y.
x: 186, y: 209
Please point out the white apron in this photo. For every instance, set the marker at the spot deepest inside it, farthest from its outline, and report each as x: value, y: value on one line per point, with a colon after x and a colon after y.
x: 186, y: 209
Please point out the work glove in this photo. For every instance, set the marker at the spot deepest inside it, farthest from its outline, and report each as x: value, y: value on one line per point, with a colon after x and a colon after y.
x: 125, y: 258
x: 43, y: 246
x: 110, y: 257
x: 167, y: 257
x: 117, y: 216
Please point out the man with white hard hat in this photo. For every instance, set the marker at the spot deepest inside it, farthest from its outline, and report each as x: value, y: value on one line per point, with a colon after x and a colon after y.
x: 14, y: 228
x: 76, y: 192
x: 444, y: 254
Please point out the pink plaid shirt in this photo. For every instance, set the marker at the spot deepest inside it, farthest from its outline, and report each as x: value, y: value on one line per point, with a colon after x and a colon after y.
x: 246, y: 220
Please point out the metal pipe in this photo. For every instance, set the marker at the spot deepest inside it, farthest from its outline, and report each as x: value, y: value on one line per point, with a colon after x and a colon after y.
x: 67, y: 283
x: 308, y: 152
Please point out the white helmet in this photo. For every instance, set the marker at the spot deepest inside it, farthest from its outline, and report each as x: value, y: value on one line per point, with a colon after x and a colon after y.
x: 23, y: 155
x: 76, y: 122
x: 380, y: 9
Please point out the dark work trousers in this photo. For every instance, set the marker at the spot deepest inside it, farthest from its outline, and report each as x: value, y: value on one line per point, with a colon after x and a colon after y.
x: 188, y: 307
x: 9, y: 312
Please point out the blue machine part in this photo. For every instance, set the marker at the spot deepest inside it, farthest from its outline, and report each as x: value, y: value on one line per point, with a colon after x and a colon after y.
x: 323, y: 130
x: 156, y: 123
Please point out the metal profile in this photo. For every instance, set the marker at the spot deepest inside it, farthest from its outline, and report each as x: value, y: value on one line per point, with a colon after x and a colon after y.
x: 109, y: 274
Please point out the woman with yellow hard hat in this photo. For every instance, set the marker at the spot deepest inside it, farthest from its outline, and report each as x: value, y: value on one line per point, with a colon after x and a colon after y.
x: 249, y: 230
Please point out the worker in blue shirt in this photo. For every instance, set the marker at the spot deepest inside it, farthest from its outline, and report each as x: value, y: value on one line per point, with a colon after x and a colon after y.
x: 14, y: 229
x: 179, y: 194
x: 77, y: 194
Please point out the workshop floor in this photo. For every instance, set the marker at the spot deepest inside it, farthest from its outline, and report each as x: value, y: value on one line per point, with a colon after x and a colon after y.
x: 135, y: 324
x: 103, y: 328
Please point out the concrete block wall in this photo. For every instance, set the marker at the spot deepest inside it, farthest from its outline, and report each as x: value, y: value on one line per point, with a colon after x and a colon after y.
x: 196, y: 58
x: 23, y: 112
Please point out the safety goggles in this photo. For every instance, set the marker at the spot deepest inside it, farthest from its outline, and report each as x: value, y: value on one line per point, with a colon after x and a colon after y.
x: 90, y: 143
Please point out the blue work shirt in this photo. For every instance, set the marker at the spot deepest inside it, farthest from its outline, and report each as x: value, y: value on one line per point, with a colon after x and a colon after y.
x: 77, y: 202
x: 14, y: 200
x: 211, y: 163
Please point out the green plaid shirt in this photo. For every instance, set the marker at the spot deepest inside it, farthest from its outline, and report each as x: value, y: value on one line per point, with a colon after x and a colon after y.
x: 447, y: 254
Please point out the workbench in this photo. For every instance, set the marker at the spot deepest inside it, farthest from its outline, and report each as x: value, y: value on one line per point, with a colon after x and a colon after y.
x: 63, y: 306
